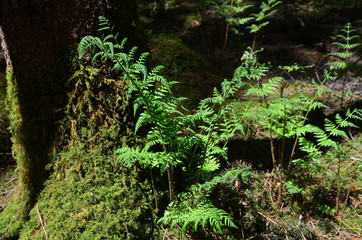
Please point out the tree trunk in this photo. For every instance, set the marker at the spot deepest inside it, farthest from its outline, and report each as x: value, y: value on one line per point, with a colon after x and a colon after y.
x: 38, y: 37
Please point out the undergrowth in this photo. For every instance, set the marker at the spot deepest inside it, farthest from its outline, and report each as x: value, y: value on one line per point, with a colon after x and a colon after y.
x: 194, y: 145
x: 97, y: 191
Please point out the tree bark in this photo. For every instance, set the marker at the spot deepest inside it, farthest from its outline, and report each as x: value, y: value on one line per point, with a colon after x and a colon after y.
x: 38, y: 37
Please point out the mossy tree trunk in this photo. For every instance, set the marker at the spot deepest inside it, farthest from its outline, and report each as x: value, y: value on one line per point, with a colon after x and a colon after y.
x: 38, y: 39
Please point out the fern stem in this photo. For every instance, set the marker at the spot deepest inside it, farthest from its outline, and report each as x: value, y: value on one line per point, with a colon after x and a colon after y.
x: 225, y: 40
x: 338, y: 183
x: 282, y: 151
x: 154, y: 189
x: 149, y: 110
x: 226, y: 34
x: 170, y: 174
x: 303, y: 123
x: 171, y: 183
x: 212, y: 129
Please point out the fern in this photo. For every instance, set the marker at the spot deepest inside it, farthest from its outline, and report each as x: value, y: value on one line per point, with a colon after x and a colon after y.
x: 195, y: 142
x: 266, y: 10
x: 195, y: 211
x: 346, y: 40
x: 129, y: 157
x: 266, y: 89
x: 202, y: 214
x: 232, y: 11
x: 280, y: 117
x: 210, y: 126
x: 324, y: 136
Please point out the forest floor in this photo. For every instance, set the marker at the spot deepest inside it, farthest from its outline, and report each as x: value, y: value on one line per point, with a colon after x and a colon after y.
x: 190, y: 41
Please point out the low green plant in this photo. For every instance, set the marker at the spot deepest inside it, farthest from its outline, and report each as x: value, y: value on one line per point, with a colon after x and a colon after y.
x: 194, y: 144
x: 267, y: 9
x: 234, y: 13
x: 195, y: 209
x: 177, y: 135
x: 281, y: 118
x: 344, y: 65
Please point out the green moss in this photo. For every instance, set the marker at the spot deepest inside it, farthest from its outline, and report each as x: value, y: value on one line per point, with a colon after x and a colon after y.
x: 97, y: 111
x: 171, y: 52
x: 87, y: 196
x: 5, y: 143
x: 196, y: 75
x: 3, y: 113
x: 94, y: 200
x: 10, y: 223
x: 192, y: 20
x: 15, y: 214
x: 32, y: 118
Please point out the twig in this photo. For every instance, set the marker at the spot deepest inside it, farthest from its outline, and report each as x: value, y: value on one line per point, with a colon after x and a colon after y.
x: 317, y: 75
x: 300, y: 230
x: 41, y: 221
x: 349, y: 226
x: 281, y: 226
x: 6, y: 154
x: 125, y: 225
x: 338, y: 230
x: 9, y: 191
x: 270, y: 220
x: 9, y: 183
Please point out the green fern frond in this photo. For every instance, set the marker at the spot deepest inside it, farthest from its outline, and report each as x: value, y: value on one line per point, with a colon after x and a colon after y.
x: 98, y: 55
x: 140, y: 69
x: 164, y: 82
x: 348, y: 46
x: 203, y: 214
x: 344, y: 123
x: 343, y: 55
x: 143, y: 119
x: 327, y: 143
x: 211, y: 164
x: 317, y: 105
x: 110, y: 37
x: 122, y: 58
x: 295, y: 67
x: 123, y: 43
x: 132, y: 53
x: 346, y: 41
x: 128, y: 157
x: 103, y: 23
x: 338, y: 65
x: 143, y: 58
x: 266, y: 89
x: 196, y: 211
x: 87, y: 44
x: 355, y: 114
